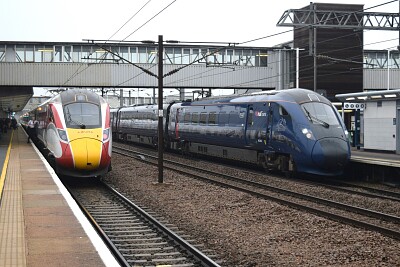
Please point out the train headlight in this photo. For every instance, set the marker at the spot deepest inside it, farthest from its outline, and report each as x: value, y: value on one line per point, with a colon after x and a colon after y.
x: 63, y: 135
x: 346, y: 133
x: 308, y: 133
x: 106, y: 134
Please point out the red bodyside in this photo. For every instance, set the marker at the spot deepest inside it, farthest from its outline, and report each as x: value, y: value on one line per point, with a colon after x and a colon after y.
x: 105, y: 158
x: 107, y: 122
x: 66, y: 160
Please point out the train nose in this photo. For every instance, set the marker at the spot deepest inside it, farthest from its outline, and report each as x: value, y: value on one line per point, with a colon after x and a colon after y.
x: 86, y: 153
x: 330, y: 153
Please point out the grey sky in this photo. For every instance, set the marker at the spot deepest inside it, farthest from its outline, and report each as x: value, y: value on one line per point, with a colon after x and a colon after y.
x: 183, y: 20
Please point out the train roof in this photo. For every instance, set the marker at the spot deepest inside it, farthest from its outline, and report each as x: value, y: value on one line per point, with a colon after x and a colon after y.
x: 140, y: 107
x: 297, y: 95
x: 70, y: 95
x: 80, y: 95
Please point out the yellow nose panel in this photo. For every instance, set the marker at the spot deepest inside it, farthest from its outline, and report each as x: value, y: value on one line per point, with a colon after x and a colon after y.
x: 86, y: 148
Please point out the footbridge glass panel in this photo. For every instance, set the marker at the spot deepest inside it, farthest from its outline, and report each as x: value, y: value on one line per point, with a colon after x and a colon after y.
x: 123, y: 54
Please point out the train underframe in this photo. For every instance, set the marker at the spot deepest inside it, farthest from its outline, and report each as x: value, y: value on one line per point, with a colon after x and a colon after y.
x: 268, y: 160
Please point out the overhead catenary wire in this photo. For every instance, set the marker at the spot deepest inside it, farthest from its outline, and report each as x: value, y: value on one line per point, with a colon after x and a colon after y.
x: 292, y: 30
x: 325, y: 40
x: 241, y: 68
x: 307, y: 26
x: 141, y: 26
x: 134, y: 15
x: 78, y: 72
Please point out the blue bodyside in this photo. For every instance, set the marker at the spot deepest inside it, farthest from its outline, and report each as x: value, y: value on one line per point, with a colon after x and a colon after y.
x: 272, y: 122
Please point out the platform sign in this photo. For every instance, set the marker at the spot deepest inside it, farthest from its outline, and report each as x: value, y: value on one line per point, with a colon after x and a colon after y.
x: 349, y: 105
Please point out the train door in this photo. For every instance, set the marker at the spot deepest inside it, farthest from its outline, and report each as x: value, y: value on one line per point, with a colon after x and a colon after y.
x: 257, y: 125
x: 176, y: 126
x: 398, y: 128
x: 250, y: 128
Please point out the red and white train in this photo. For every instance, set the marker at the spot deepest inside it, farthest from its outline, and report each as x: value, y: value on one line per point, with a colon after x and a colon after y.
x: 74, y: 129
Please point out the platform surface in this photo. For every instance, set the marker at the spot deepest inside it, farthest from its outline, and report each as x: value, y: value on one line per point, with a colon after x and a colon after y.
x: 375, y: 157
x: 39, y: 225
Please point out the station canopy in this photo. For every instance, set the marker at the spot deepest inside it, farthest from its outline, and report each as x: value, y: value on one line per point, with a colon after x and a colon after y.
x: 14, y: 98
x: 370, y: 96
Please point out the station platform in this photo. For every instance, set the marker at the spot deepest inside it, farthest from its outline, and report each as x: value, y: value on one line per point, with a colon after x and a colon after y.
x: 372, y: 157
x: 40, y: 223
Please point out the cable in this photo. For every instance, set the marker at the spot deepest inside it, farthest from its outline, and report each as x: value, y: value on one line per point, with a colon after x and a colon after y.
x: 292, y: 30
x: 128, y: 20
x: 77, y: 72
x: 307, y: 26
x: 201, y: 75
x: 150, y: 19
x: 220, y: 48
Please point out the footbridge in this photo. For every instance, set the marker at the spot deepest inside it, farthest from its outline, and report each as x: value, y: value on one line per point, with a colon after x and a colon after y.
x: 127, y: 65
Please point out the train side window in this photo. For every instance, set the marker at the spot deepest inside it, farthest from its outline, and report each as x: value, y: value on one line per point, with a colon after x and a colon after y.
x: 250, y: 116
x: 203, y: 118
x: 51, y: 116
x: 186, y: 118
x: 234, y: 118
x: 223, y: 118
x: 195, y: 118
x: 283, y: 111
x: 180, y: 116
x: 212, y: 118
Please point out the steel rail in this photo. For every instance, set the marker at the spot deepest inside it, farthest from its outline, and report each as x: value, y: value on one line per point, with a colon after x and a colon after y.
x: 388, y: 232
x: 193, y: 254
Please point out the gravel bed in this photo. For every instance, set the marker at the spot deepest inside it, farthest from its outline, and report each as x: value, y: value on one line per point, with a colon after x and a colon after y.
x: 247, y: 231
x: 376, y: 204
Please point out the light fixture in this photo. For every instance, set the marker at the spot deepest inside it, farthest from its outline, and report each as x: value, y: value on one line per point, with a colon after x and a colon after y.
x: 376, y: 96
x: 262, y: 55
x: 45, y: 50
x: 350, y: 98
x: 392, y: 95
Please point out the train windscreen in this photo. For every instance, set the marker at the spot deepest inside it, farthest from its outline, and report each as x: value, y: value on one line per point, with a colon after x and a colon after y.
x: 320, y: 113
x: 82, y: 115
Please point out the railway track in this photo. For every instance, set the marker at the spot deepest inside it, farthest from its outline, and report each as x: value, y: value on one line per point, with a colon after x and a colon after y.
x: 135, y: 237
x: 369, y: 191
x: 347, y: 187
x: 386, y: 224
x: 334, y: 184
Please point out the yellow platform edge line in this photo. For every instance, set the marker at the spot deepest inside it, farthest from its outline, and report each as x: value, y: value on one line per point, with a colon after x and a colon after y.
x: 5, y: 165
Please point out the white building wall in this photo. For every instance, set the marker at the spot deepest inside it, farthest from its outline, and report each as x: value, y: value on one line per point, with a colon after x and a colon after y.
x: 379, y: 131
x: 378, y: 79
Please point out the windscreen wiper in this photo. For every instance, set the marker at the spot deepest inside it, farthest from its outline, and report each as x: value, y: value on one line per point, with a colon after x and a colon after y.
x: 313, y: 118
x: 81, y: 125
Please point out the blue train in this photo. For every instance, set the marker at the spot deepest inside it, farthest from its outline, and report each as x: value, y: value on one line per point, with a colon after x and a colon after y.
x: 293, y: 130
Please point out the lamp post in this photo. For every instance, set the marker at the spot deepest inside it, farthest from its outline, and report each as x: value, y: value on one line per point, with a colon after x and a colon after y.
x: 388, y: 68
x: 297, y: 66
x: 280, y: 58
x: 160, y: 109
